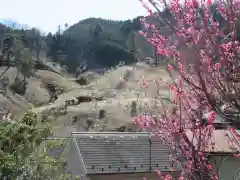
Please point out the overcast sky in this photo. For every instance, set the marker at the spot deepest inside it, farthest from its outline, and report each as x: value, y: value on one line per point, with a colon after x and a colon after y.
x: 48, y: 14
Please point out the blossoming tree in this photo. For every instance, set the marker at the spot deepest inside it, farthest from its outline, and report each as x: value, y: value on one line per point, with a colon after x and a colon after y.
x: 200, y: 43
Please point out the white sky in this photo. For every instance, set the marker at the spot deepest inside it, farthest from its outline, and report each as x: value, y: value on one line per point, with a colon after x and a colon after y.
x: 48, y: 14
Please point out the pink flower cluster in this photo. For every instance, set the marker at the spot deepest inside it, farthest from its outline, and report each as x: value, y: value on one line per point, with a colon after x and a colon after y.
x: 203, y: 54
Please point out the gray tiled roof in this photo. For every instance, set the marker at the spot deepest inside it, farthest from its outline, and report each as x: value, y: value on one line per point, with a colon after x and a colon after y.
x: 116, y: 152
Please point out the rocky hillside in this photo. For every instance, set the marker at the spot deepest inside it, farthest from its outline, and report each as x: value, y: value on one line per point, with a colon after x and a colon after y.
x: 105, y: 103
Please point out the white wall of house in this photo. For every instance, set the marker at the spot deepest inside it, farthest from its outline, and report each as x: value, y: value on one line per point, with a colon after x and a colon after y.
x: 74, y: 163
x: 228, y: 166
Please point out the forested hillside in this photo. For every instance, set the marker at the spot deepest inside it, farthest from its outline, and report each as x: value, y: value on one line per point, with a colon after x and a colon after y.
x: 98, y: 42
x: 92, y: 43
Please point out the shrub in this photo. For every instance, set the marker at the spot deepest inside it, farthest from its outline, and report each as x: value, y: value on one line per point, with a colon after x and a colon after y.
x: 19, y: 86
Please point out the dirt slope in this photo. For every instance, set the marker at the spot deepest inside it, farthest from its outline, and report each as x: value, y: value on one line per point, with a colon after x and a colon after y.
x: 117, y: 99
x: 118, y: 88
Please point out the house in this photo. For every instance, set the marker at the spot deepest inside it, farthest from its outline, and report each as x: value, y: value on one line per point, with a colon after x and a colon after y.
x: 116, y: 155
x: 222, y: 150
x: 225, y: 119
x: 223, y: 155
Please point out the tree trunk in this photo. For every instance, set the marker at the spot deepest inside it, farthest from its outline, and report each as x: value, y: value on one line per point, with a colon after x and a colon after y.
x: 1, y: 44
x: 18, y: 70
x: 38, y: 56
x: 134, y: 47
x: 156, y: 58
